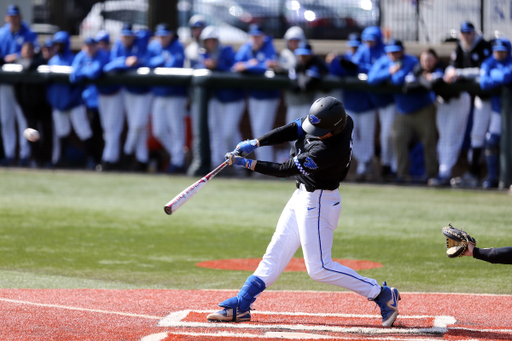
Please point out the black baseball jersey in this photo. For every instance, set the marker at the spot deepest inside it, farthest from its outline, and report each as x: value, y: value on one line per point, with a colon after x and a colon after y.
x: 498, y: 255
x: 461, y: 59
x: 318, y: 164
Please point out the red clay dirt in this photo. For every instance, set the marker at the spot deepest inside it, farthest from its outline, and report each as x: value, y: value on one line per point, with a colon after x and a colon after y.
x: 296, y: 264
x: 150, y: 315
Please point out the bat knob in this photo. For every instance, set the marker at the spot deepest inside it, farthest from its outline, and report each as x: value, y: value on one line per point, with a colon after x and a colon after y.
x: 168, y: 210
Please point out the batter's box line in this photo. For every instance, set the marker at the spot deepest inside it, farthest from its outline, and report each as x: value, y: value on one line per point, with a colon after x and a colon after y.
x: 441, y: 323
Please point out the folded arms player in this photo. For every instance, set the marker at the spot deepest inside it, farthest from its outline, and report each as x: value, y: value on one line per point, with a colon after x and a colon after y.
x: 320, y: 159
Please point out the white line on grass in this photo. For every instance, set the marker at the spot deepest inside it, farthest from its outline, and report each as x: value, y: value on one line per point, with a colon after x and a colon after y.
x: 80, y: 309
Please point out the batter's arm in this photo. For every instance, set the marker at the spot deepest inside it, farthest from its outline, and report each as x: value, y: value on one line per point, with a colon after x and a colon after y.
x: 289, y: 132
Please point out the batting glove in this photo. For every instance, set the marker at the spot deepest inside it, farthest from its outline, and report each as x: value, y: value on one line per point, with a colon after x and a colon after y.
x: 246, y: 147
x: 240, y: 161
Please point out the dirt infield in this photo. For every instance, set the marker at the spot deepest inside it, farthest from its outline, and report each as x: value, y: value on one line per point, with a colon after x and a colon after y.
x: 154, y: 315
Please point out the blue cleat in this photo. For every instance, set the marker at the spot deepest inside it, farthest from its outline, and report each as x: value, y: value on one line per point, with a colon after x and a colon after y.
x: 387, y: 301
x: 230, y: 315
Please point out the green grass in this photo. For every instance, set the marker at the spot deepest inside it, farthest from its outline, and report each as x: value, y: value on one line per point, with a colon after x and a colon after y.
x: 89, y: 230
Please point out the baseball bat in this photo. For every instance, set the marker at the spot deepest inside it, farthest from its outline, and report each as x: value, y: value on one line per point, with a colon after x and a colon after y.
x: 191, y: 190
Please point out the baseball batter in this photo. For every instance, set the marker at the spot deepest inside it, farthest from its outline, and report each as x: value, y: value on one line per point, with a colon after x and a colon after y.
x: 319, y: 161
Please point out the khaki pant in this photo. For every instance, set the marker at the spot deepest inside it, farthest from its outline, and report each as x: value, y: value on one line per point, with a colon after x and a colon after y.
x: 421, y: 123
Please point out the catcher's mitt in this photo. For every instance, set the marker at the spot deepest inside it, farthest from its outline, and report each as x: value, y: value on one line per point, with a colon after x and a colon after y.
x: 456, y: 241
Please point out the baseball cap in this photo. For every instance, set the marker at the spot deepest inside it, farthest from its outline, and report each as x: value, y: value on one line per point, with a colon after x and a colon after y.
x: 394, y: 45
x: 13, y: 10
x: 209, y: 32
x: 90, y: 41
x: 102, y: 36
x: 48, y: 42
x: 127, y: 30
x: 197, y: 21
x: 303, y: 50
x: 162, y: 30
x: 61, y: 37
x: 467, y: 27
x: 500, y: 45
x: 353, y: 40
x: 255, y: 30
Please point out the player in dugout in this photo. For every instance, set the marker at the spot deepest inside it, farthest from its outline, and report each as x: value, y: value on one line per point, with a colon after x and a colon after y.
x: 320, y: 159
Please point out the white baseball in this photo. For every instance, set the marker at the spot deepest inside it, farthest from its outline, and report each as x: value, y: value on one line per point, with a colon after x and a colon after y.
x: 31, y: 134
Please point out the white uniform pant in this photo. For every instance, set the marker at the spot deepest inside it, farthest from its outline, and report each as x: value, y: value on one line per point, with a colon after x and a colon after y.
x: 262, y: 114
x: 168, y: 125
x: 364, y: 133
x: 223, y: 121
x: 62, y: 122
x: 451, y: 120
x: 10, y: 113
x: 387, y: 118
x: 111, y: 112
x: 309, y: 220
x: 481, y: 118
x: 294, y: 112
x: 137, y: 107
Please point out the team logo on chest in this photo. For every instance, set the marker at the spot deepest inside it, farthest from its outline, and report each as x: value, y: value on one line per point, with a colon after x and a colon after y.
x: 309, y: 163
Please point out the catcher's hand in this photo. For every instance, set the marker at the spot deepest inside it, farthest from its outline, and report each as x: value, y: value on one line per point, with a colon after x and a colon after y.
x: 456, y: 241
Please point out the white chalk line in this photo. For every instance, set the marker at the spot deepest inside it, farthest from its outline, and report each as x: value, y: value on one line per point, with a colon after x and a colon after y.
x: 440, y: 324
x: 80, y: 309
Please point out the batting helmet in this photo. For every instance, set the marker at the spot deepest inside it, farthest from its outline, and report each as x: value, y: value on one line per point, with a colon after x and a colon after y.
x: 326, y: 115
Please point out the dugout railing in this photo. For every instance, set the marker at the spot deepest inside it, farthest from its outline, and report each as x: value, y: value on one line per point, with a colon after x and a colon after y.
x: 201, y: 81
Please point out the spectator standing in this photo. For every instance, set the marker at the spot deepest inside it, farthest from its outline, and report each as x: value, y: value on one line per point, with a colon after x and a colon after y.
x: 416, y: 111
x: 304, y: 77
x: 366, y: 56
x: 495, y: 71
x: 170, y: 102
x: 226, y: 106
x: 256, y: 57
x: 129, y: 52
x: 466, y: 60
x: 37, y: 111
x: 452, y: 113
x: 88, y: 65
x: 66, y: 101
x: 359, y: 106
x: 296, y: 104
x: 196, y: 23
x: 12, y: 37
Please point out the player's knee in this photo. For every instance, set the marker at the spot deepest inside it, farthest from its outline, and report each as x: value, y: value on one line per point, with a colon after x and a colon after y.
x: 316, y: 272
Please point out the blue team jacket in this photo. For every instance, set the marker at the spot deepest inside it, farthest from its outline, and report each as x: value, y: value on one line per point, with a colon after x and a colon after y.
x: 355, y: 101
x: 87, y: 67
x: 225, y: 60
x: 171, y: 56
x: 405, y: 103
x: 365, y: 57
x: 266, y: 52
x: 119, y: 53
x: 494, y: 73
x: 64, y: 96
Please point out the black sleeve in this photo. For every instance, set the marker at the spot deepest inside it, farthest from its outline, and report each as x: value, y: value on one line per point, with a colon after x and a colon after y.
x: 348, y: 65
x: 286, y: 133
x: 498, y: 255
x: 281, y: 170
x: 456, y: 57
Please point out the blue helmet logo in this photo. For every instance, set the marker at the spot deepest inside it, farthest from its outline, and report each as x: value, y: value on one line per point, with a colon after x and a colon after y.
x: 314, y: 119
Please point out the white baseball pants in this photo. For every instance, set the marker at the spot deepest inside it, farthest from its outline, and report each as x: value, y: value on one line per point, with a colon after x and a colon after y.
x: 137, y: 107
x: 223, y: 121
x: 387, y: 118
x: 262, y: 114
x: 62, y: 122
x: 111, y: 112
x: 168, y: 125
x: 481, y: 118
x: 451, y: 120
x: 10, y: 113
x: 309, y: 220
x: 364, y: 132
x: 294, y: 112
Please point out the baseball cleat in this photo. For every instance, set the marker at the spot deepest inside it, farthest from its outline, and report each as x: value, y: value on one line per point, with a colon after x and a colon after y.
x: 227, y: 315
x: 388, y: 304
